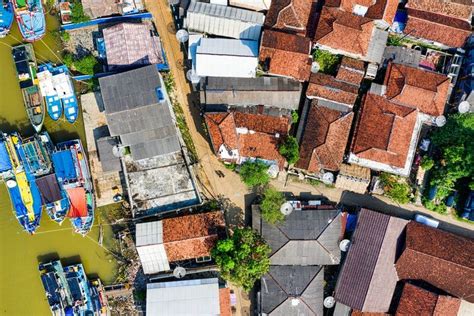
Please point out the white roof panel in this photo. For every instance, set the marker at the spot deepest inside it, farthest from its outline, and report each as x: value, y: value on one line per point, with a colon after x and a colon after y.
x: 192, y: 297
x: 153, y: 258
x: 232, y: 47
x: 149, y: 233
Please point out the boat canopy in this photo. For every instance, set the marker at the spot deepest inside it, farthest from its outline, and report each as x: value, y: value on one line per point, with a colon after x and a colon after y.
x: 49, y: 188
x: 64, y: 165
x: 5, y: 163
x: 77, y: 197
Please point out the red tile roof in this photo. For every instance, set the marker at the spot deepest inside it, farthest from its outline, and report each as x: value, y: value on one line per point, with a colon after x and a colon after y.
x: 295, y: 16
x: 351, y: 70
x: 344, y: 31
x: 192, y: 236
x: 260, y: 142
x: 384, y: 131
x: 443, y: 29
x: 417, y: 88
x: 224, y: 302
x: 377, y: 9
x: 456, y: 9
x: 439, y: 258
x: 329, y: 88
x: 325, y: 138
x: 278, y: 48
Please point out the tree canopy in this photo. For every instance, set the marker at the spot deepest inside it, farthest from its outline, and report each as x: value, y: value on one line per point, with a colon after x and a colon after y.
x: 395, y: 188
x: 290, y: 149
x: 455, y: 145
x: 242, y: 258
x: 254, y: 173
x: 270, y: 206
x: 327, y: 61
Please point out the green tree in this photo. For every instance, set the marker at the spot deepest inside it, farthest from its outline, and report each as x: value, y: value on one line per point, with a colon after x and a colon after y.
x: 254, y: 173
x: 396, y: 188
x: 427, y: 163
x: 87, y: 65
x: 77, y: 13
x: 270, y: 206
x: 327, y: 62
x: 242, y: 258
x: 290, y: 149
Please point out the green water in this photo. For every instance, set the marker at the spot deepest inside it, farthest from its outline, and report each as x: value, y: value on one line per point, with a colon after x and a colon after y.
x: 21, y: 292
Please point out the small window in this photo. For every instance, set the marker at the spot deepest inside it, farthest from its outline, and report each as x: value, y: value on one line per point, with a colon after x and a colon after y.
x: 203, y: 259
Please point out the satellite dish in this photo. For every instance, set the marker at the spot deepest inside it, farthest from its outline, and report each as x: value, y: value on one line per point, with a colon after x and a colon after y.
x: 315, y: 67
x: 173, y: 2
x: 329, y: 302
x: 11, y: 183
x: 118, y: 152
x: 179, y: 272
x: 464, y: 107
x: 344, y: 245
x: 328, y: 177
x: 182, y: 36
x: 295, y: 301
x: 286, y: 208
x: 440, y: 121
x: 191, y: 76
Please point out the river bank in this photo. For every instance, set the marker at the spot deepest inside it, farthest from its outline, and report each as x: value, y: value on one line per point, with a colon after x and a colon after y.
x: 21, y: 291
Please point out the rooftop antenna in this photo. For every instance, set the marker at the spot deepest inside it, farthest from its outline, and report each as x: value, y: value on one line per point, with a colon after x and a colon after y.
x: 179, y: 272
x: 315, y: 67
x: 344, y: 245
x: 182, y: 35
x: 465, y: 107
x: 286, y: 208
x: 329, y: 302
x: 440, y: 121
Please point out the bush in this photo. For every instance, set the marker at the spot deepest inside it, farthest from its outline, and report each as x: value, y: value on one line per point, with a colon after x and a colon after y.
x: 427, y: 163
x: 270, y: 206
x: 395, y: 188
x: 290, y: 150
x: 254, y: 173
x: 242, y: 258
x: 77, y: 12
x: 432, y: 206
x: 327, y: 62
x: 294, y: 117
x: 87, y: 65
x: 65, y: 36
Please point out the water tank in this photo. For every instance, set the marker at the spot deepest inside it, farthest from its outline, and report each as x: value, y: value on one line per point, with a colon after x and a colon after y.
x: 464, y: 107
x: 328, y: 177
x: 118, y: 151
x: 179, y: 272
x: 182, y: 36
x: 440, y: 121
x: 344, y: 245
x: 315, y: 67
x: 329, y: 302
x: 192, y: 76
x: 11, y: 183
x: 286, y: 208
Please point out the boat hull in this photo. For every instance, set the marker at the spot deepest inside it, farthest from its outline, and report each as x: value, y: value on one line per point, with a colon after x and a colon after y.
x: 31, y: 19
x: 6, y: 17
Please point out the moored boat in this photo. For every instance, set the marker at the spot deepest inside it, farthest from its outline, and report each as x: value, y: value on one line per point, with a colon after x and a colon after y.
x: 25, y: 63
x: 30, y: 18
x: 80, y: 290
x: 53, y: 102
x: 73, y: 173
x: 6, y: 17
x: 56, y: 287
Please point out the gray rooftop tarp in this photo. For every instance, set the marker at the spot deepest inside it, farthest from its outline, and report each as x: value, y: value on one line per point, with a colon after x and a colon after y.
x: 49, y: 188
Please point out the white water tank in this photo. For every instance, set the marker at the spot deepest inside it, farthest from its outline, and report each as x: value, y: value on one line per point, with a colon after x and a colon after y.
x: 329, y: 302
x: 344, y: 245
x: 286, y: 208
x: 440, y: 121
x: 315, y: 67
x: 465, y: 107
x: 182, y: 36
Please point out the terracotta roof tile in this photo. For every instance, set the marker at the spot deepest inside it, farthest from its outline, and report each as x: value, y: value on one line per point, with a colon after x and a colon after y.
x: 447, y: 306
x: 456, y: 9
x: 416, y: 301
x: 443, y: 29
x: 278, y: 48
x: 327, y: 87
x: 344, y: 31
x: 296, y: 16
x: 192, y: 236
x: 261, y: 142
x: 324, y: 139
x: 417, y: 88
x: 377, y: 9
x: 351, y: 71
x: 384, y: 131
x: 224, y: 302
x: 439, y: 258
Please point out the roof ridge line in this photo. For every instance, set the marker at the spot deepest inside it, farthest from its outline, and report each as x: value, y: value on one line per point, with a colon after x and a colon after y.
x: 194, y: 238
x: 429, y: 255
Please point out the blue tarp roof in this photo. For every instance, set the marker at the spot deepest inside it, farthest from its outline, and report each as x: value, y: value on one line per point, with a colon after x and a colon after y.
x: 64, y: 165
x: 5, y: 163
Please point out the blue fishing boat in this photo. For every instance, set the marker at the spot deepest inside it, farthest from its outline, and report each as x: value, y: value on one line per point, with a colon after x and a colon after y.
x: 80, y: 290
x: 30, y: 18
x: 58, y: 87
x: 72, y: 171
x: 21, y: 185
x: 56, y: 287
x: 6, y: 17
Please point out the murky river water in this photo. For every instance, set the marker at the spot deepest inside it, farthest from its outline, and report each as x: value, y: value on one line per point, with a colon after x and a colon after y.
x: 21, y: 292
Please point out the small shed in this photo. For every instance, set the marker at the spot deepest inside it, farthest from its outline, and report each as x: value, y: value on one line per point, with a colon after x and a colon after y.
x: 353, y: 178
x: 107, y: 158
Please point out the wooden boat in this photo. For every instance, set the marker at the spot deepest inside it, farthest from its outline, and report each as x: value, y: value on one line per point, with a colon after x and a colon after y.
x: 31, y: 19
x: 25, y: 63
x: 6, y: 17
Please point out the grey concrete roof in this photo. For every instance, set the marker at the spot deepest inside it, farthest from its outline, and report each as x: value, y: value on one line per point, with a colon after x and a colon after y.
x: 402, y: 55
x: 293, y: 290
x: 308, y: 237
x: 107, y: 159
x: 269, y: 91
x: 377, y: 46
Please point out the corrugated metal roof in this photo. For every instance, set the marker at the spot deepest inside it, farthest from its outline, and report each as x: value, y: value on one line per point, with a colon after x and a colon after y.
x: 277, y: 84
x: 224, y: 21
x: 229, y: 47
x: 190, y: 297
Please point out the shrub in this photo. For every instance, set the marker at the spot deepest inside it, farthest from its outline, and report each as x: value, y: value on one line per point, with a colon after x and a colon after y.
x: 242, y: 258
x: 65, y: 36
x: 294, y: 117
x: 254, y: 173
x: 395, y: 188
x: 427, y: 163
x: 270, y: 206
x: 327, y: 62
x: 87, y: 65
x: 77, y: 13
x: 290, y: 150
